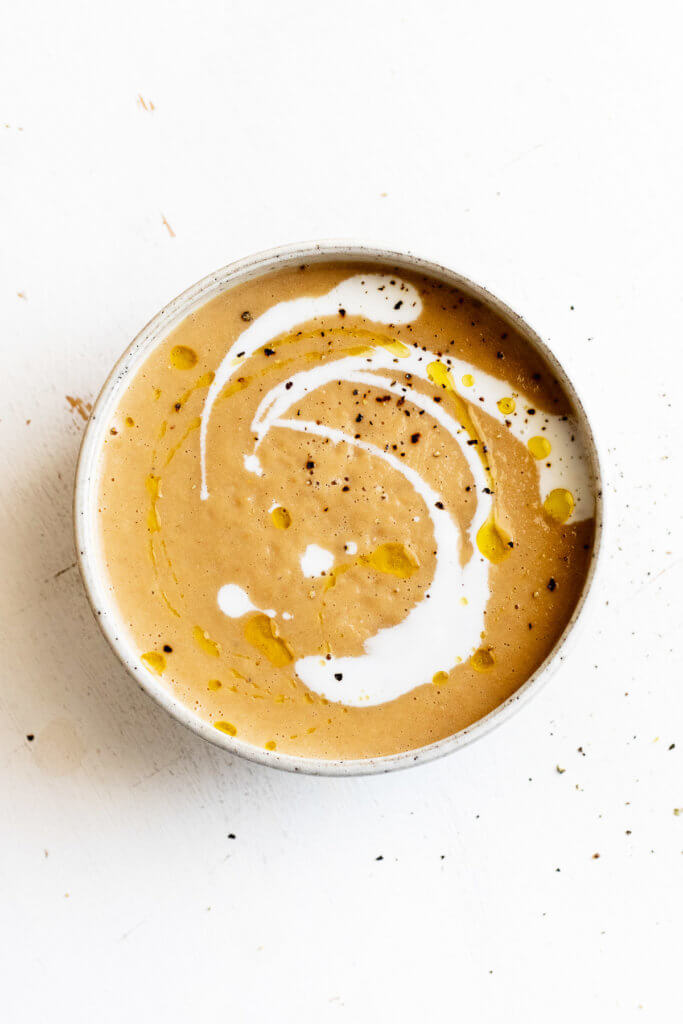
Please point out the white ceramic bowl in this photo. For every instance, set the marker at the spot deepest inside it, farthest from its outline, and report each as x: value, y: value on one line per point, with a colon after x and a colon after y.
x: 87, y: 479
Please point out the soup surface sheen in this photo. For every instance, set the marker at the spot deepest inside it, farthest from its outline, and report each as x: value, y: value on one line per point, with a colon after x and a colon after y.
x: 344, y: 512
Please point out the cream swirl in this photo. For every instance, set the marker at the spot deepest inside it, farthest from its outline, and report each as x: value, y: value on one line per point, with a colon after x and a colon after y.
x: 445, y: 627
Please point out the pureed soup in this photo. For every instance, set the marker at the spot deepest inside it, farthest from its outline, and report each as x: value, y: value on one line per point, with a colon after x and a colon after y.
x: 345, y: 511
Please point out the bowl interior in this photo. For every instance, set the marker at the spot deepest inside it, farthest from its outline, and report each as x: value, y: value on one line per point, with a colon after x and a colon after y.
x: 87, y: 482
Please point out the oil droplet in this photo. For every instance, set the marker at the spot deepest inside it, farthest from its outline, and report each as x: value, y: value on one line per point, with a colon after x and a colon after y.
x: 203, y: 640
x: 439, y: 375
x: 231, y: 389
x: 204, y: 381
x: 463, y: 601
x: 440, y: 678
x: 163, y: 596
x: 506, y: 406
x: 152, y: 484
x: 259, y: 632
x: 559, y: 504
x: 214, y: 684
x: 394, y: 559
x: 281, y: 518
x: 157, y: 394
x: 194, y: 424
x: 333, y: 574
x: 397, y: 348
x: 155, y: 661
x: 183, y: 358
x: 130, y: 422
x: 482, y: 660
x: 270, y: 745
x: 226, y: 727
x: 355, y: 350
x: 492, y: 541
x: 539, y: 447
x: 468, y: 380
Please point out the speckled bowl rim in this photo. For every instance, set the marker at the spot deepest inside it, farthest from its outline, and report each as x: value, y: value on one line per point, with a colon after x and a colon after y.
x: 87, y: 478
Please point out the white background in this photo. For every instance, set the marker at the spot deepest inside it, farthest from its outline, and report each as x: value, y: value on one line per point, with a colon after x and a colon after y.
x: 535, y: 147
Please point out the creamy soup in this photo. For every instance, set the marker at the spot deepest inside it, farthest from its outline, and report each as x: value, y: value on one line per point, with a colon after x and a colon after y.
x: 345, y: 512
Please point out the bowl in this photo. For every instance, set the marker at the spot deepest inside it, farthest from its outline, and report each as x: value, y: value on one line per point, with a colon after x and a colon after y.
x: 86, y: 496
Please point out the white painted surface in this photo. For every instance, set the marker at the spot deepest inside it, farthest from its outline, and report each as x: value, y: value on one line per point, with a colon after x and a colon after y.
x: 538, y: 154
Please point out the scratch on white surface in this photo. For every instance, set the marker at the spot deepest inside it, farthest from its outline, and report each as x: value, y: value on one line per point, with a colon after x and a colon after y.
x: 161, y: 768
x: 648, y: 583
x: 122, y: 938
x: 60, y: 572
x: 58, y: 749
x: 520, y: 156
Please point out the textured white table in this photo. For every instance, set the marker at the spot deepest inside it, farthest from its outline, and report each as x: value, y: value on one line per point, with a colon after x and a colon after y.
x: 145, y: 875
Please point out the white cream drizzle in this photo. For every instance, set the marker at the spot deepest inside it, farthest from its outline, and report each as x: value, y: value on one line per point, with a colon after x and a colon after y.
x: 316, y: 560
x: 566, y: 465
x: 251, y: 463
x: 441, y: 629
x: 435, y: 633
x: 372, y: 296
x: 234, y: 602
